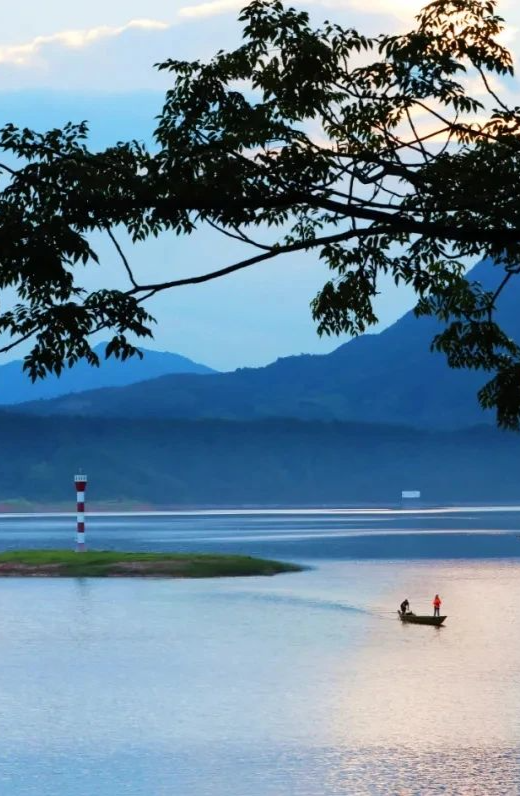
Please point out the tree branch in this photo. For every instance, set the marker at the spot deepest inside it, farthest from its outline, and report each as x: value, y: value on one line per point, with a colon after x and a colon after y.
x: 275, y: 252
x: 19, y: 340
x: 122, y: 255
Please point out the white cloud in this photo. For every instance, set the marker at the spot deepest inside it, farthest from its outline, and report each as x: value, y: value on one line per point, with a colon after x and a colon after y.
x: 403, y: 10
x: 113, y: 56
x: 25, y: 54
x: 210, y: 9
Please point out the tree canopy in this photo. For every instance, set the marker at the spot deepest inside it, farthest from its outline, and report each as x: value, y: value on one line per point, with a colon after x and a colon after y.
x: 393, y: 154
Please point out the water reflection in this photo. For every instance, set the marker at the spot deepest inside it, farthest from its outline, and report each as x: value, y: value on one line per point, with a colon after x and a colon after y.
x: 380, y: 771
x: 302, y: 685
x: 426, y: 710
x: 341, y: 534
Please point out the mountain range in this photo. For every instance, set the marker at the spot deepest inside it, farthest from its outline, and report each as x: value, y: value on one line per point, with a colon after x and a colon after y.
x: 390, y: 377
x: 16, y: 387
x: 378, y: 415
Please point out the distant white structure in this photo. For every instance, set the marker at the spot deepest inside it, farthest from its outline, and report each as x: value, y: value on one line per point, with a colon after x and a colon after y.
x: 81, y: 485
x: 410, y: 498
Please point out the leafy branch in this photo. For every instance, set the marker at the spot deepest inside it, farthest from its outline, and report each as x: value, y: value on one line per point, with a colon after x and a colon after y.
x: 370, y: 154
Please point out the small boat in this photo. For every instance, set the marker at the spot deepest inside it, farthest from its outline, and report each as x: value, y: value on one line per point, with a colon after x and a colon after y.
x: 416, y: 619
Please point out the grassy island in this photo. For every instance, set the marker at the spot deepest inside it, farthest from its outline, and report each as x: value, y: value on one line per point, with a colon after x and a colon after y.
x: 111, y: 564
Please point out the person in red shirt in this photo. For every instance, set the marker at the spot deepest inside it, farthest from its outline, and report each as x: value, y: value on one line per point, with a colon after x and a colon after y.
x: 437, y: 602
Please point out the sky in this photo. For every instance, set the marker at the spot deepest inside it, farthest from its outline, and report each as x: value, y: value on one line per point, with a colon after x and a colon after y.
x: 62, y: 61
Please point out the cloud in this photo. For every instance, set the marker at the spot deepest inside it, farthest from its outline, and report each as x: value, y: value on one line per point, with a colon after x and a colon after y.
x: 110, y: 56
x: 25, y: 54
x: 210, y: 9
x: 404, y: 10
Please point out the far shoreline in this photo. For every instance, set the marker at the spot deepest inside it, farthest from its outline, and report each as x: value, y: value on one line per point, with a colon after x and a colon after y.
x: 94, y: 511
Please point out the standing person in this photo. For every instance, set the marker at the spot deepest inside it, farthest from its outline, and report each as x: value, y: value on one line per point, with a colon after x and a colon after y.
x: 437, y: 602
x: 405, y: 607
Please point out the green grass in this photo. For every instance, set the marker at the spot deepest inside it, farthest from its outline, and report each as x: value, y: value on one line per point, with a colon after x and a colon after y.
x: 99, y: 564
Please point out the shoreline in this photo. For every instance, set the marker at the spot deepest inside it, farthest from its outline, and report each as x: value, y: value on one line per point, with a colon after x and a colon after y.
x: 381, y: 509
x: 113, y: 564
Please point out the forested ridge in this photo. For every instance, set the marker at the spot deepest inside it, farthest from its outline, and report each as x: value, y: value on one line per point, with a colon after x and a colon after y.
x: 269, y: 462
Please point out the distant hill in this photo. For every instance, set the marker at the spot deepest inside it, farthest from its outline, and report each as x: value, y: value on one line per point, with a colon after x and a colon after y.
x: 16, y: 387
x: 269, y: 462
x: 391, y: 377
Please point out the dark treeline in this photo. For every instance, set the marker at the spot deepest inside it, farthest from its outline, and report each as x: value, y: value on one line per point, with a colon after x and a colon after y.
x: 271, y: 462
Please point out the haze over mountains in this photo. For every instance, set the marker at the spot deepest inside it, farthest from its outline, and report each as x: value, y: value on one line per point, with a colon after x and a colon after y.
x: 169, y: 463
x: 355, y: 426
x: 391, y: 377
x: 16, y: 387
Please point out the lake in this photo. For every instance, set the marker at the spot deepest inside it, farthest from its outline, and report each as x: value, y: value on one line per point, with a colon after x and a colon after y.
x: 298, y: 685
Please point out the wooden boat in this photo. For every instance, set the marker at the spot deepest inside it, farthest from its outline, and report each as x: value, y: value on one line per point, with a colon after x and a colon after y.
x: 415, y: 619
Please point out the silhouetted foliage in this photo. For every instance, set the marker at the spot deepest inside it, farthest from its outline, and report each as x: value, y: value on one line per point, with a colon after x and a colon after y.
x: 375, y: 153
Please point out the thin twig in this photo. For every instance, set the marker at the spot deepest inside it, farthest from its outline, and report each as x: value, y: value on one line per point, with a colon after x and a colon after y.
x: 490, y: 90
x: 122, y: 255
x: 240, y: 236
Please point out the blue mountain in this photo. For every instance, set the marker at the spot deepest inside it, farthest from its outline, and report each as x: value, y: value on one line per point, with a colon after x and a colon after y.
x: 16, y: 387
x: 391, y: 377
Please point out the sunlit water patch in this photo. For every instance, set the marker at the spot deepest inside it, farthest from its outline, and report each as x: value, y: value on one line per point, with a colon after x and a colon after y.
x: 299, y: 685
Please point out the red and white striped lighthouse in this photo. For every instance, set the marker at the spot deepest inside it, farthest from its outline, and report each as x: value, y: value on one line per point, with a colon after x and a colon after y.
x: 81, y: 485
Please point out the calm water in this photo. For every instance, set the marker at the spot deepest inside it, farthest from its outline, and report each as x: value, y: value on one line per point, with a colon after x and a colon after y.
x: 299, y: 685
